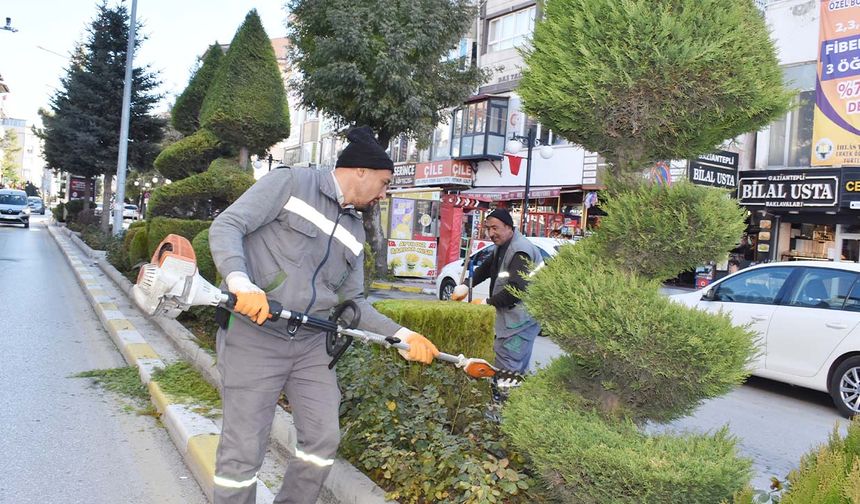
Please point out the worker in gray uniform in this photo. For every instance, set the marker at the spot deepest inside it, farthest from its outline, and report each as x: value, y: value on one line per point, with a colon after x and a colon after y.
x: 296, y: 238
x: 516, y: 330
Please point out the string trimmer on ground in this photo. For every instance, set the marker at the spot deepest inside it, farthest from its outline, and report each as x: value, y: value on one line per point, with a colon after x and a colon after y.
x: 171, y: 284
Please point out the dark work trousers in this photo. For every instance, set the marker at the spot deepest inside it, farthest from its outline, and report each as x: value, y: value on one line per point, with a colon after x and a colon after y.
x: 255, y: 367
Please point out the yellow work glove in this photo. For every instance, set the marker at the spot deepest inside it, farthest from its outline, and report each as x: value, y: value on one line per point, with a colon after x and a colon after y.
x: 421, y: 349
x: 250, y: 299
x: 460, y: 293
x: 479, y: 301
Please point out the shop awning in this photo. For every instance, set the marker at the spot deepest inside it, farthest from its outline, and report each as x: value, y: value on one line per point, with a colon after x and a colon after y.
x: 509, y: 193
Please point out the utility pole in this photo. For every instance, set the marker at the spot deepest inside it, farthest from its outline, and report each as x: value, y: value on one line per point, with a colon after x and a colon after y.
x: 122, y: 159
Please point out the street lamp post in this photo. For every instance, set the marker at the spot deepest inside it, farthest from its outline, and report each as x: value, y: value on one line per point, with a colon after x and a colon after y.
x: 514, y: 146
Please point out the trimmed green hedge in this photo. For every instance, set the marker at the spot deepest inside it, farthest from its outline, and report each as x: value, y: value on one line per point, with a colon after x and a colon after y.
x: 639, y: 354
x: 205, y: 264
x: 202, y: 195
x: 189, y: 155
x: 419, y: 431
x: 584, y: 458
x: 138, y: 247
x: 160, y: 227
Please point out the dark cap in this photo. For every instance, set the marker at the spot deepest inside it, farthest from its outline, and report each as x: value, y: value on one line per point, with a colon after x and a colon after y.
x: 502, y: 215
x: 363, y: 151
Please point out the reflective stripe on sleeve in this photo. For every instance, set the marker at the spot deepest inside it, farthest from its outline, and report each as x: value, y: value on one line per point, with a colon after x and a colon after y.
x: 313, y: 459
x: 304, y: 210
x: 228, y: 483
x: 503, y: 274
x: 538, y: 268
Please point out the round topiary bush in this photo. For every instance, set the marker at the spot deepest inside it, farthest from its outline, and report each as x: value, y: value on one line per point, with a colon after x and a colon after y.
x: 637, y: 353
x: 190, y: 155
x: 583, y: 458
x: 160, y: 227
x: 659, y: 231
x: 203, y: 195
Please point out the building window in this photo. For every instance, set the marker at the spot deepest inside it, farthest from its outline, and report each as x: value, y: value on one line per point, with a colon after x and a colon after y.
x: 440, y: 148
x: 402, y: 150
x: 511, y: 30
x: 791, y: 136
x: 479, y: 129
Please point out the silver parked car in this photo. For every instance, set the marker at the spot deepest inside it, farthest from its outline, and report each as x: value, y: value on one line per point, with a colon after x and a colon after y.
x: 14, y: 208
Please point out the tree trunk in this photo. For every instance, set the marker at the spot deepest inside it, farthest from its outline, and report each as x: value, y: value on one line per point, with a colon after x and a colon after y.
x: 107, y: 218
x: 87, y: 194
x: 245, y: 159
x: 373, y: 230
x: 373, y: 223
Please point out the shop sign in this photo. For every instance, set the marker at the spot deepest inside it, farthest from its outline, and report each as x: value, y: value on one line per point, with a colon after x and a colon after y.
x: 404, y: 175
x: 78, y: 186
x: 448, y: 172
x: 850, y: 194
x: 717, y: 169
x: 412, y: 258
x: 789, y: 189
x: 836, y: 119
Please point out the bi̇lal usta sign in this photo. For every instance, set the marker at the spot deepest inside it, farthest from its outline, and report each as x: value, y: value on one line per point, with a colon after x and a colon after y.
x: 715, y: 169
x: 789, y: 189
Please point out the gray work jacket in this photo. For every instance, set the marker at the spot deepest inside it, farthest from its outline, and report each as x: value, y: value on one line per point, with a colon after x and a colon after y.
x: 512, y: 319
x: 277, y: 233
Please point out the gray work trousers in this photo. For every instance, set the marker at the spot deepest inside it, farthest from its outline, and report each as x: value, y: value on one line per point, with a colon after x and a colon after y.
x: 514, y: 352
x: 255, y: 367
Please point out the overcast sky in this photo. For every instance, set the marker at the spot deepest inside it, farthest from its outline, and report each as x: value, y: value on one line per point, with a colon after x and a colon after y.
x: 33, y: 60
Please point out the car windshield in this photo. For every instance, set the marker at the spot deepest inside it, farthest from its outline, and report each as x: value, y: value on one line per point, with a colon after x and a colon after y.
x: 33, y: 199
x: 130, y: 207
x: 12, y: 199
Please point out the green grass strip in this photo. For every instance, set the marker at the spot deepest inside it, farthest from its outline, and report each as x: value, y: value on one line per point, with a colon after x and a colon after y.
x: 124, y: 380
x: 184, y: 384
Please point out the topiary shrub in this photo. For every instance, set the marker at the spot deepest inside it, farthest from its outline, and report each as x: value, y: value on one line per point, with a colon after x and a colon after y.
x: 72, y: 208
x: 200, y: 196
x: 585, y: 459
x: 138, y: 247
x: 829, y: 475
x: 160, y: 227
x: 205, y: 263
x: 659, y: 231
x: 637, y: 353
x: 59, y: 212
x: 186, y: 110
x: 189, y: 155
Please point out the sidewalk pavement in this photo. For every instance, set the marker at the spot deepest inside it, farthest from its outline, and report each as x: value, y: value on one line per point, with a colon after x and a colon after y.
x: 414, y: 286
x: 195, y: 436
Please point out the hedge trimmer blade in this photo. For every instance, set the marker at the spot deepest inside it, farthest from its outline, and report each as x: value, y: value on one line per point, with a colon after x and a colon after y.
x: 479, y: 368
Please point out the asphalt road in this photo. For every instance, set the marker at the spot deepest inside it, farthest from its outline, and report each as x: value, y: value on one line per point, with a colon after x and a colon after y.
x: 64, y: 440
x: 775, y: 424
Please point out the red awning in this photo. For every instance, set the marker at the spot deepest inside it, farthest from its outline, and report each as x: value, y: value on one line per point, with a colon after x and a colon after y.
x: 512, y: 193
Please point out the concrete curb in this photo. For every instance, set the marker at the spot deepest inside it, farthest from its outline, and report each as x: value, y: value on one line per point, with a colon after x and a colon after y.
x: 403, y: 288
x: 345, y: 483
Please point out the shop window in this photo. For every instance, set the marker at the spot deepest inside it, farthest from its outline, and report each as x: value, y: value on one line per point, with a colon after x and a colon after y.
x: 479, y: 129
x: 511, y: 30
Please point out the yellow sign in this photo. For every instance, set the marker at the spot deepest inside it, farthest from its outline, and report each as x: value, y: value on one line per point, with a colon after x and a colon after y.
x: 836, y: 124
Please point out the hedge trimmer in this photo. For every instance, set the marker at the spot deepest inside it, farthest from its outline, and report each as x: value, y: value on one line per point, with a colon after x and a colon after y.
x: 171, y: 284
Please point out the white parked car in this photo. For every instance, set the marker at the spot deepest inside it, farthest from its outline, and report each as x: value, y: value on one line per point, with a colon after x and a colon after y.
x: 129, y: 211
x: 449, y: 276
x: 807, y: 315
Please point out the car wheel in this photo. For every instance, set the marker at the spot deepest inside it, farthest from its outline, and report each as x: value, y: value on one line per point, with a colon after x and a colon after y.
x: 26, y: 224
x: 446, y: 289
x: 845, y: 387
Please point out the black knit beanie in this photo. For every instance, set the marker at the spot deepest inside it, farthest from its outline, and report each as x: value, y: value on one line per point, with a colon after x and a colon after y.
x: 502, y: 215
x: 364, y: 151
